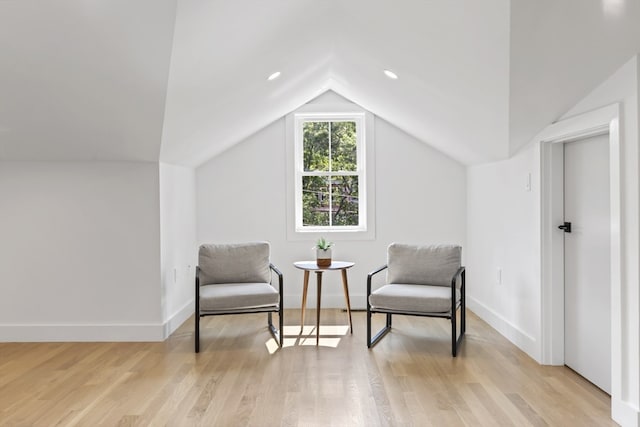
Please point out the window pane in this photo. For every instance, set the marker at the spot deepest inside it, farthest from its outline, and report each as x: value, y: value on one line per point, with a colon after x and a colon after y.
x: 343, y: 146
x: 315, y: 200
x: 345, y: 200
x: 315, y: 146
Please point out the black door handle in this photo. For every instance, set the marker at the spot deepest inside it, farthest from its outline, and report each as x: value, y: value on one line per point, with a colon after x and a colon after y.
x: 566, y: 227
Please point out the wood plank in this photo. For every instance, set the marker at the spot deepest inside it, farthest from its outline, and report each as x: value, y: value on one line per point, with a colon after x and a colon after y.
x: 409, y: 378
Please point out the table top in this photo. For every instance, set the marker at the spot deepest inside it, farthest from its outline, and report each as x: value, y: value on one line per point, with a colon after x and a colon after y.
x: 313, y: 266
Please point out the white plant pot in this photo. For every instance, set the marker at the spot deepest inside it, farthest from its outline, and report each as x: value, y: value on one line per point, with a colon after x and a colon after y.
x: 323, y: 257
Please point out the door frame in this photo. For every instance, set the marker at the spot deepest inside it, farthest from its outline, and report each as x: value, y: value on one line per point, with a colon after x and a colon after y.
x: 601, y: 121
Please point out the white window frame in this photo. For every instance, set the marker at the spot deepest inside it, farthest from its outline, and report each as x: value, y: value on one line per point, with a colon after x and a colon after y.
x: 366, y: 161
x: 360, y: 171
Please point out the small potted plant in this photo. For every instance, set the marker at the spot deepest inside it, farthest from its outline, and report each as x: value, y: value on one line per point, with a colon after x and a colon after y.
x: 323, y: 252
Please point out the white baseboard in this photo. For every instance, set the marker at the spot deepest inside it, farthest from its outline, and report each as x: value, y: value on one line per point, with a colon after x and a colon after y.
x: 178, y: 318
x: 624, y: 413
x: 81, y: 332
x: 518, y: 337
x: 106, y: 332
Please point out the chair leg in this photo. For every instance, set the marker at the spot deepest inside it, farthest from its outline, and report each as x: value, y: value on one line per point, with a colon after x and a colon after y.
x: 453, y: 334
x: 196, y: 313
x: 197, y: 334
x: 373, y: 341
x: 277, y: 335
x: 464, y: 304
x: 463, y: 318
x: 281, y: 324
x: 456, y: 340
x: 368, y: 328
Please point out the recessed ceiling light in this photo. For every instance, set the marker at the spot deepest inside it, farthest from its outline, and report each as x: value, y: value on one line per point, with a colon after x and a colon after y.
x: 390, y: 74
x: 613, y: 7
x: 274, y: 76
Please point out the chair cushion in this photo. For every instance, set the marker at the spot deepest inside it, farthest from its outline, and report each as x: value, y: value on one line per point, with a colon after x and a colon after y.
x: 237, y: 296
x: 413, y: 298
x: 234, y: 263
x: 423, y: 265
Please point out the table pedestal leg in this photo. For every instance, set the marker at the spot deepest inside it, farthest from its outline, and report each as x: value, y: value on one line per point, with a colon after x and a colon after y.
x: 319, y: 277
x: 304, y: 298
x: 345, y: 285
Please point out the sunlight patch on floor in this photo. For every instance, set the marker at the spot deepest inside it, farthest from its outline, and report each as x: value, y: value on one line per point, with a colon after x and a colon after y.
x: 323, y: 342
x: 333, y: 330
x: 306, y: 336
x: 272, y: 345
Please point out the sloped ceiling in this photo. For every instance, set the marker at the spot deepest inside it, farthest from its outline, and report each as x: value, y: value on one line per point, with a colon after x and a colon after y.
x: 83, y: 80
x: 560, y: 50
x: 152, y: 79
x: 452, y: 59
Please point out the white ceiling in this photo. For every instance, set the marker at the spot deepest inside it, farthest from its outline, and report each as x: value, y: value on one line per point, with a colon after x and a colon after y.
x: 112, y: 80
x: 452, y: 59
x: 560, y: 50
x: 83, y: 79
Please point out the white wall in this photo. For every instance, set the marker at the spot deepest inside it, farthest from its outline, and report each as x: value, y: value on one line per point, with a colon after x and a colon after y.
x: 503, y: 234
x: 179, y: 246
x: 79, y: 251
x: 504, y: 231
x: 420, y: 197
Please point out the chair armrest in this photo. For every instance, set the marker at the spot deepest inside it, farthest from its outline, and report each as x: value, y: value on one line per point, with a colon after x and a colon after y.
x: 280, y: 280
x: 370, y: 276
x: 460, y: 273
x: 454, y: 279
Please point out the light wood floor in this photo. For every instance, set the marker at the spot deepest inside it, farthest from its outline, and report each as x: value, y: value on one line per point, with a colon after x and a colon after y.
x: 408, y: 379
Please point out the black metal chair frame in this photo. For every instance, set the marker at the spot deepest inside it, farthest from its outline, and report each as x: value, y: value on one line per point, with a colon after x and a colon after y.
x: 451, y: 314
x: 277, y: 334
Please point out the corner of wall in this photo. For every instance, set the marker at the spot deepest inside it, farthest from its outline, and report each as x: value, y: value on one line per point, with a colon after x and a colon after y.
x: 178, y: 245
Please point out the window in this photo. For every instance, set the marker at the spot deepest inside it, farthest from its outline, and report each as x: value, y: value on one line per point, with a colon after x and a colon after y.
x: 330, y: 182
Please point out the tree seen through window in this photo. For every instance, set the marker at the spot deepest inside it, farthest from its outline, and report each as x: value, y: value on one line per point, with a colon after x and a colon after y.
x: 329, y: 177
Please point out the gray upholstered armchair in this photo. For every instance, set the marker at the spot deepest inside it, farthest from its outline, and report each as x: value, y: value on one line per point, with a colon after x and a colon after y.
x: 421, y: 281
x: 236, y: 279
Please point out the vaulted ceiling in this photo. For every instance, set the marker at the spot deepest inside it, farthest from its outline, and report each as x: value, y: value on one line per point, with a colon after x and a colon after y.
x: 182, y: 80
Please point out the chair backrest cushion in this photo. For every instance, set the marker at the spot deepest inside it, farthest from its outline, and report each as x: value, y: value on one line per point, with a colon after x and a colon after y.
x: 234, y: 263
x: 423, y: 265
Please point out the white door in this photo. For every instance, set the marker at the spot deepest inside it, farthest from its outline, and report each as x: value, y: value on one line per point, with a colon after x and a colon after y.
x: 587, y: 260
